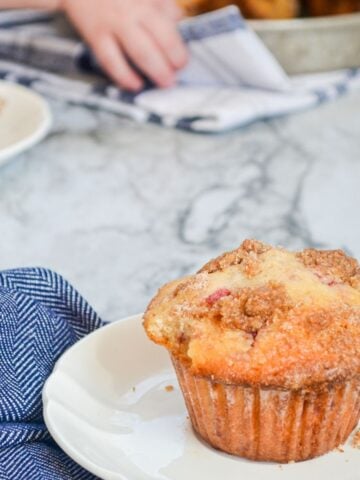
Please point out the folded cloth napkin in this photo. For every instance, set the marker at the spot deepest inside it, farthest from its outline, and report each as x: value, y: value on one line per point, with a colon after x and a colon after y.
x: 231, y: 80
x: 41, y: 315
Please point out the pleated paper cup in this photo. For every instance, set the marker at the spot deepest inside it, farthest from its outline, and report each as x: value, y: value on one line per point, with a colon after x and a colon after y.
x: 270, y: 424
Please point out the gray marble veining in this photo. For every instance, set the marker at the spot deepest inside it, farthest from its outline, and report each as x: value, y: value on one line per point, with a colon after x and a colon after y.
x: 120, y: 208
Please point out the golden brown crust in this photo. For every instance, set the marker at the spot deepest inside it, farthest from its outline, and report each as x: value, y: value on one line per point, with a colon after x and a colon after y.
x: 331, y: 7
x: 197, y: 7
x: 264, y: 316
x: 269, y: 9
x: 273, y: 9
x: 249, y: 8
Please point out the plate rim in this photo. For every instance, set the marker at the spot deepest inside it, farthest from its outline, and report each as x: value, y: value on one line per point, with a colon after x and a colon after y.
x: 67, y: 448
x: 37, y: 135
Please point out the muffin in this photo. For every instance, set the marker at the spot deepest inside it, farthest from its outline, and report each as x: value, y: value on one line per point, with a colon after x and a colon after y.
x: 331, y: 7
x: 266, y: 9
x: 272, y: 9
x: 269, y: 9
x: 264, y: 340
x: 196, y: 7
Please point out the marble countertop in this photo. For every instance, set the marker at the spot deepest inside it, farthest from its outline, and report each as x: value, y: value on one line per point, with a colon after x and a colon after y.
x: 120, y: 208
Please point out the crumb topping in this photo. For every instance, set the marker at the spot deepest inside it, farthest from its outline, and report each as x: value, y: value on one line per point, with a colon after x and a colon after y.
x: 264, y: 315
x: 246, y: 256
x: 249, y: 309
x: 331, y: 266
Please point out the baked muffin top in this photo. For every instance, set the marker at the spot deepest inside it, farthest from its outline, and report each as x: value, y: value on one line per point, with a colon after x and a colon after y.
x: 249, y: 8
x: 264, y: 315
x: 272, y: 9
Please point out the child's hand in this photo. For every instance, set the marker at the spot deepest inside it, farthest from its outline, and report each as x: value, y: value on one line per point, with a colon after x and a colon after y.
x: 142, y: 30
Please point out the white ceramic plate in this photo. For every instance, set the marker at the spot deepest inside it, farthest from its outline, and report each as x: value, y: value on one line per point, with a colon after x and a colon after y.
x: 107, y: 406
x: 24, y: 119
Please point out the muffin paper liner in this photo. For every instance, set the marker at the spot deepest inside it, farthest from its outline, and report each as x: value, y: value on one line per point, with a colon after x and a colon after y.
x: 270, y: 424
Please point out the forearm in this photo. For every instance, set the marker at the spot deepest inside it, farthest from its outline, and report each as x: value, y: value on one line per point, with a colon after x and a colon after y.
x: 42, y: 4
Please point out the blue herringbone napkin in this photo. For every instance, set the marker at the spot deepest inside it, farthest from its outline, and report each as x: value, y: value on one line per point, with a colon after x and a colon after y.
x: 41, y: 315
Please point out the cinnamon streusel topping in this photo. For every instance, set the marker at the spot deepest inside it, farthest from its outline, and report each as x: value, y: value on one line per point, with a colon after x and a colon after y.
x: 264, y: 315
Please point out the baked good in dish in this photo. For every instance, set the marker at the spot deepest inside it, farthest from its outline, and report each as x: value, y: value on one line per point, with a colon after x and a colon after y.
x: 263, y: 338
x: 249, y: 8
x: 196, y: 7
x: 269, y: 9
x: 272, y: 9
x: 331, y: 7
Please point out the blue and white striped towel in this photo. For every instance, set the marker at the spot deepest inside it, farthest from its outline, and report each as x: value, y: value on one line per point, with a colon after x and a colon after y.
x: 41, y: 315
x: 231, y: 80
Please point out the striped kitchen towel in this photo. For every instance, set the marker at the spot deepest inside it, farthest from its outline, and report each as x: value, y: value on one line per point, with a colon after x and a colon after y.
x: 41, y: 316
x: 231, y: 79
